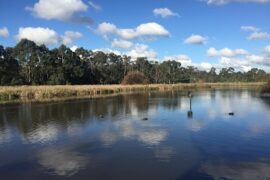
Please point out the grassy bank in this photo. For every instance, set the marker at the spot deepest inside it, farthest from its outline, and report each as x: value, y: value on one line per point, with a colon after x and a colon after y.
x: 45, y: 93
x: 265, y: 92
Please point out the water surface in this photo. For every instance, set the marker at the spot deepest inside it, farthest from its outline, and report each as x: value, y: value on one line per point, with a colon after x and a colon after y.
x: 138, y: 136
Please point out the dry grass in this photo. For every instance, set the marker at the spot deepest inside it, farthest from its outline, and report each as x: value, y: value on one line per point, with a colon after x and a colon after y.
x: 266, y: 89
x: 41, y: 93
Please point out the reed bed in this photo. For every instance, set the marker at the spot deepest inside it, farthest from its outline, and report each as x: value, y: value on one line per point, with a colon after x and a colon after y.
x: 45, y: 93
x: 265, y: 92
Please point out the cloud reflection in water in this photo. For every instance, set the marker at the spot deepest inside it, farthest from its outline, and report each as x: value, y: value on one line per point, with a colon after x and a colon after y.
x: 164, y: 153
x: 43, y: 134
x: 222, y: 169
x: 148, y: 134
x: 61, y: 161
x: 5, y: 135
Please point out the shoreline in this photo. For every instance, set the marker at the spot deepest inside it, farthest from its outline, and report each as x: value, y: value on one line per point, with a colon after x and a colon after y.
x: 17, y: 94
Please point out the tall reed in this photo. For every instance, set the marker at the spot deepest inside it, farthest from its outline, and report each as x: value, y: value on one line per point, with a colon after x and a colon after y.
x: 39, y: 93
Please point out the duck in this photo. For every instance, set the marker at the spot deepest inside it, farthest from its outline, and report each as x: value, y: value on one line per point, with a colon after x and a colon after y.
x: 145, y: 119
x: 231, y: 113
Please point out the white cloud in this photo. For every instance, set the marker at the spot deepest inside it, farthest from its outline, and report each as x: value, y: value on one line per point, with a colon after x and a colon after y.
x: 63, y: 10
x: 255, y: 33
x: 142, y: 50
x: 127, y: 33
x: 164, y: 12
x: 46, y: 36
x: 255, y: 59
x: 240, y: 52
x: 94, y: 5
x: 108, y: 51
x: 237, y: 64
x: 196, y: 39
x: 151, y: 29
x: 39, y: 35
x: 223, y: 2
x: 258, y: 36
x: 4, y: 32
x: 73, y: 48
x: 147, y: 29
x: 267, y: 50
x: 226, y: 52
x: 239, y: 59
x: 205, y: 66
x: 121, y: 44
x: 245, y: 63
x: 212, y: 52
x: 106, y: 28
x: 249, y: 28
x: 70, y: 36
x: 185, y: 60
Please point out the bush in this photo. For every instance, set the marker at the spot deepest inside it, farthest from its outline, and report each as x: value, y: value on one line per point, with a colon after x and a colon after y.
x: 135, y: 77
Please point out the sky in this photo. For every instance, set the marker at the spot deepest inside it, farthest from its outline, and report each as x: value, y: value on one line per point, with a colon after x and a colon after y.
x: 202, y: 33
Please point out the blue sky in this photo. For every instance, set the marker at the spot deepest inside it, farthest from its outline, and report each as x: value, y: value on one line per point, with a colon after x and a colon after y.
x: 203, y: 33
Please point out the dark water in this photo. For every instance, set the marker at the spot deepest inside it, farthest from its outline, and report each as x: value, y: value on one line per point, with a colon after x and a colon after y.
x: 107, y: 138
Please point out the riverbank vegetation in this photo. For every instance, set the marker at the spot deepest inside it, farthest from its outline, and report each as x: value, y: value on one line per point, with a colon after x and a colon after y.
x: 44, y: 93
x: 266, y: 90
x: 30, y: 64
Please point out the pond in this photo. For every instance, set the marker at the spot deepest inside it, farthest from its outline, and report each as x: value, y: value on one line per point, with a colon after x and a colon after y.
x: 138, y: 136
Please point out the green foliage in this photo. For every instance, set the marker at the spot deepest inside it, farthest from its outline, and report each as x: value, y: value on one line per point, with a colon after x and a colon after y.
x: 30, y: 64
x: 9, y: 68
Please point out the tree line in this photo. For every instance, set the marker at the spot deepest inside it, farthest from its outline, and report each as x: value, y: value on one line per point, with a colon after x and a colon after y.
x: 30, y: 64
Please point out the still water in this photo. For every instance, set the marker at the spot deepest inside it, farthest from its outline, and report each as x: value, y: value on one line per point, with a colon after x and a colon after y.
x: 138, y: 136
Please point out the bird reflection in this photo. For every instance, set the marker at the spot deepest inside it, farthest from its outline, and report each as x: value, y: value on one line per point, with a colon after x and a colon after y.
x: 190, y: 113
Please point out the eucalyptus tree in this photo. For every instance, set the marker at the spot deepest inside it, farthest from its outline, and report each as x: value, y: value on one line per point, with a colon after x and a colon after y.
x: 9, y: 68
x: 28, y: 55
x: 71, y: 67
x: 29, y: 63
x: 170, y: 71
x: 256, y: 74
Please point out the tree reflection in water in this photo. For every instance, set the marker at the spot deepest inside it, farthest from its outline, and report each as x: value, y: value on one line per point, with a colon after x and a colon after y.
x: 69, y: 139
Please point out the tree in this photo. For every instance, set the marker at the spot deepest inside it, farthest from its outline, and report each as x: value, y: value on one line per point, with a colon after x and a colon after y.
x: 212, y: 75
x: 71, y: 67
x: 30, y: 64
x: 9, y: 68
x: 256, y: 74
x: 171, y: 72
x: 144, y: 66
x: 28, y: 55
x: 115, y: 68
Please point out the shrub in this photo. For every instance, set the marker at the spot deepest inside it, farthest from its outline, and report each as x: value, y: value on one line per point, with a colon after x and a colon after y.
x: 135, y: 77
